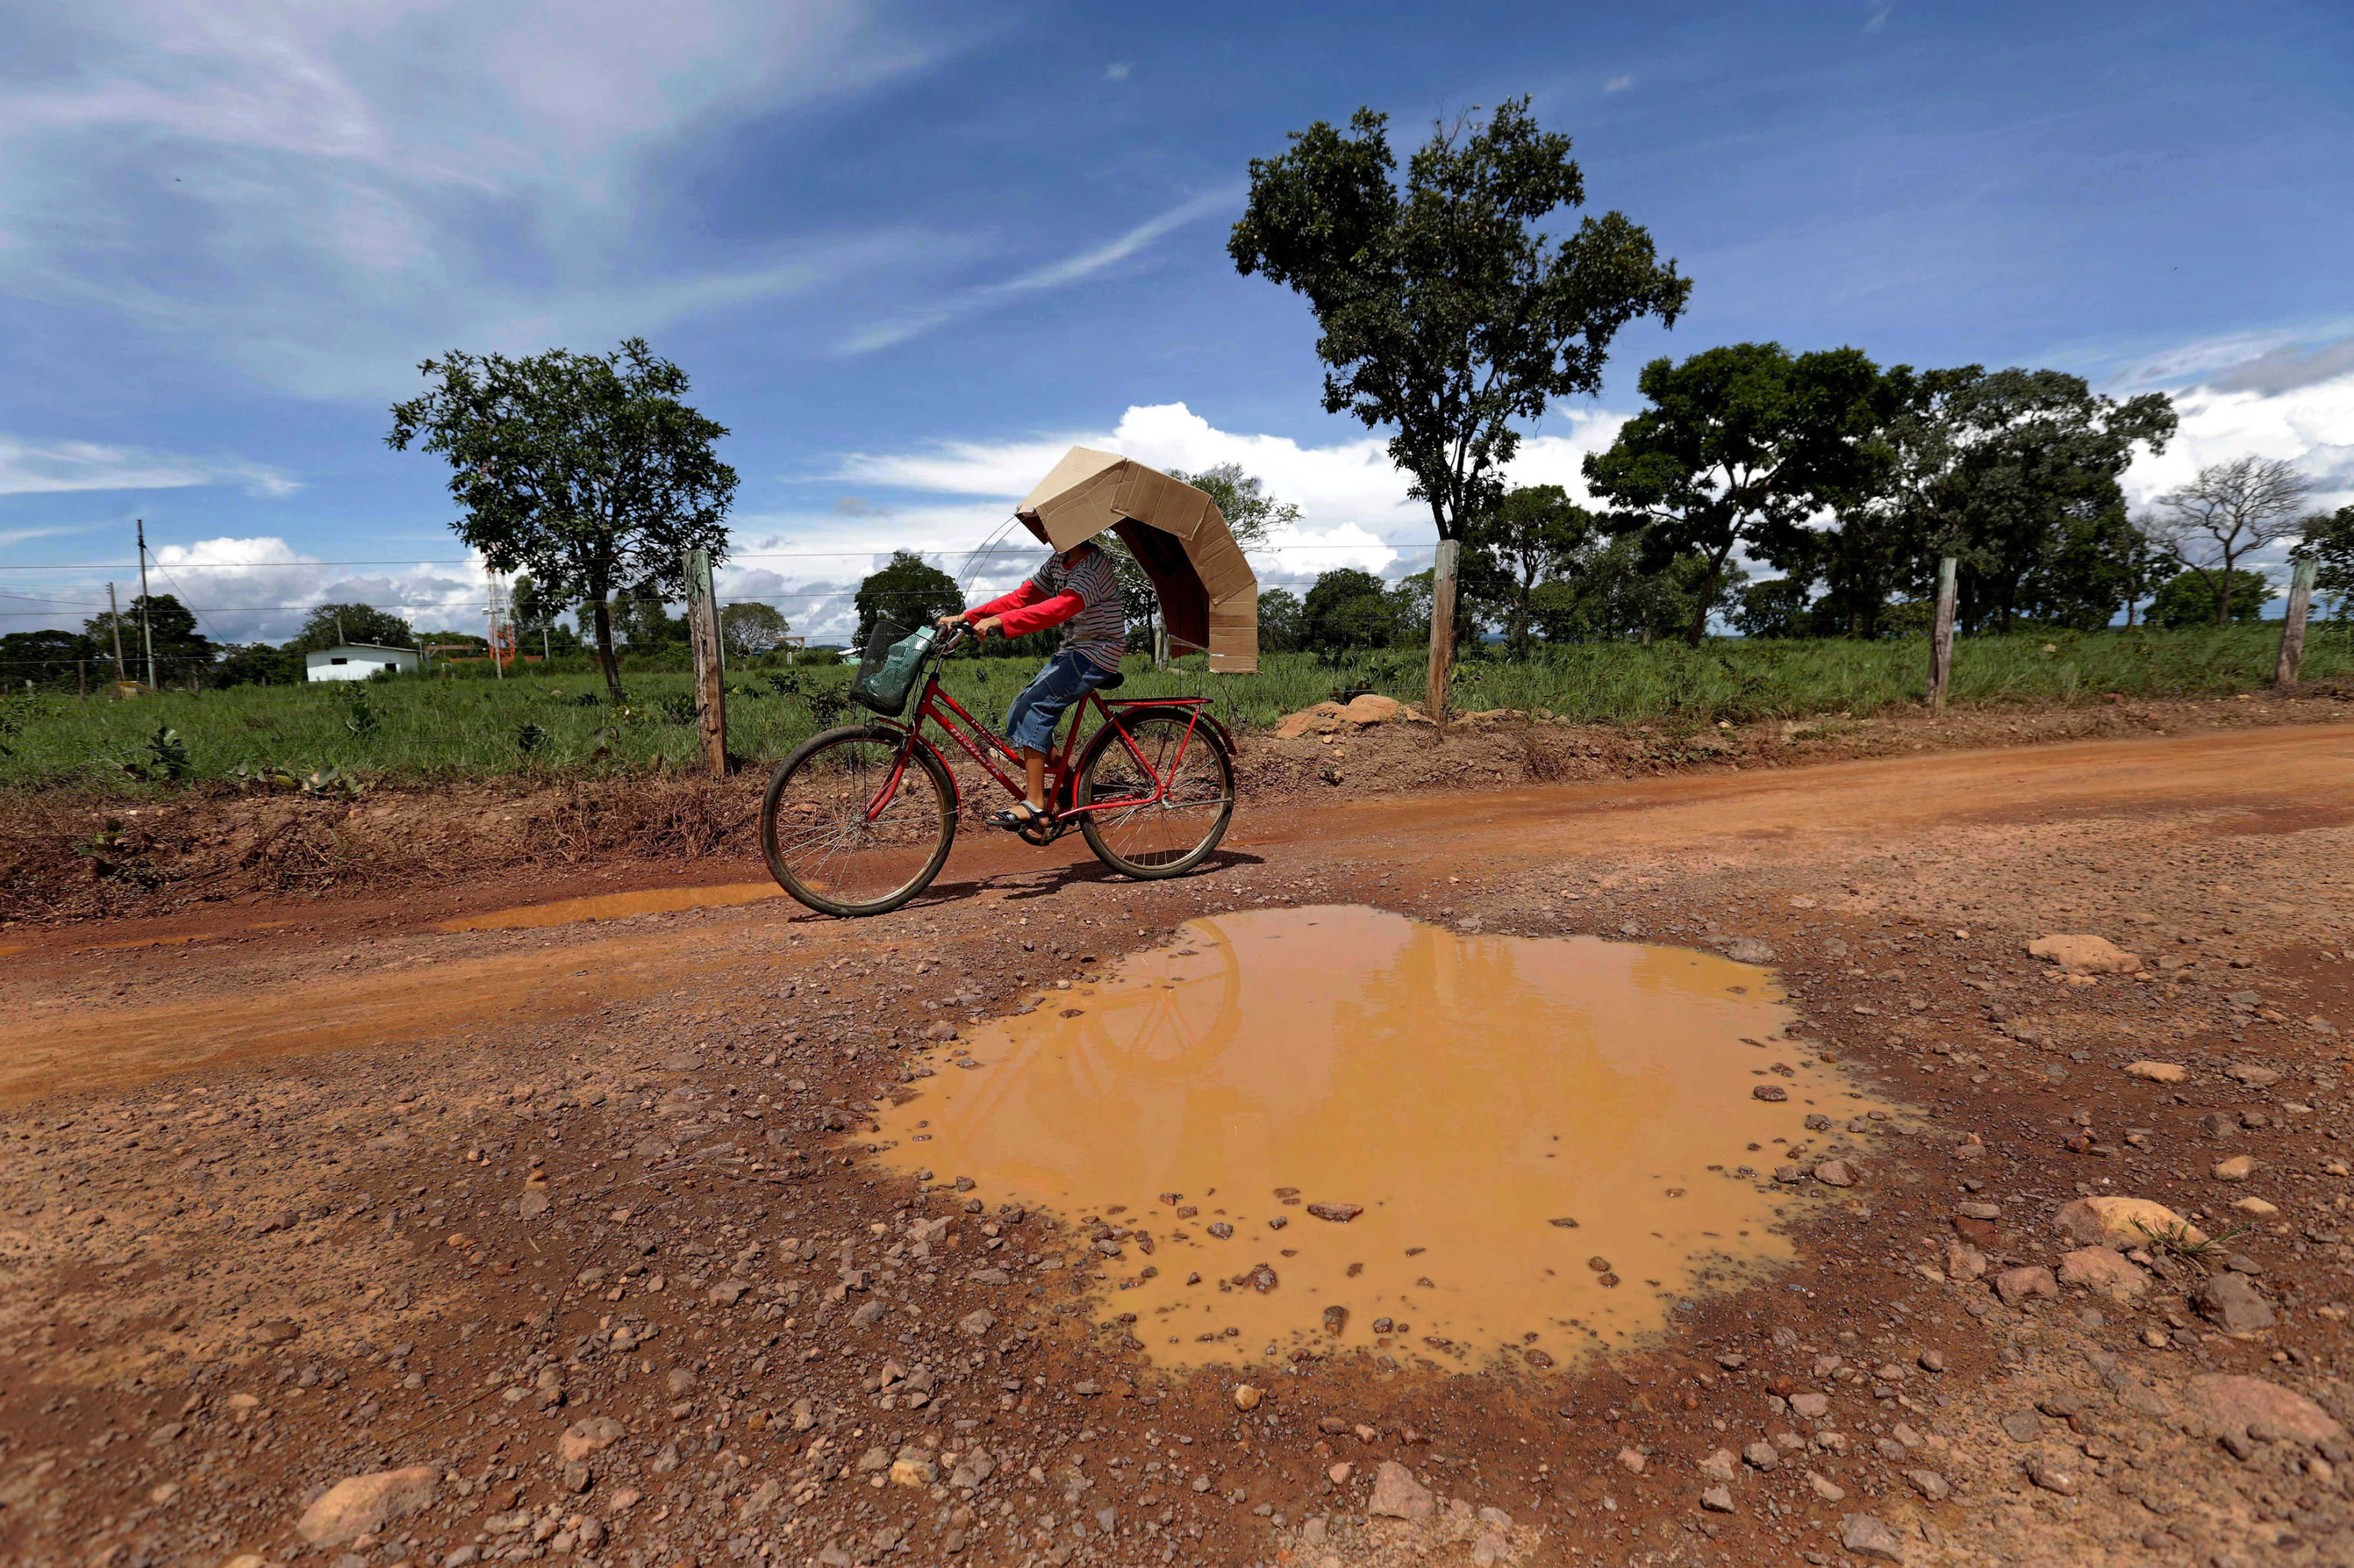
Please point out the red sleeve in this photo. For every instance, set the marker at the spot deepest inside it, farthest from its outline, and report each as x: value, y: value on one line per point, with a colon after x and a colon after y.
x: 1026, y: 594
x: 1024, y: 619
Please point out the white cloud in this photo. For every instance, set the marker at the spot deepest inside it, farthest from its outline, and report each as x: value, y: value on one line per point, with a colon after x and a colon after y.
x: 1116, y: 71
x: 1618, y: 84
x: 30, y: 468
x: 1053, y: 275
x: 2310, y: 425
x: 259, y: 587
x: 323, y: 193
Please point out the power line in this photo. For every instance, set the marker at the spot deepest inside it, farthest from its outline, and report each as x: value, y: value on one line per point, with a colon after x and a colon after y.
x: 731, y: 560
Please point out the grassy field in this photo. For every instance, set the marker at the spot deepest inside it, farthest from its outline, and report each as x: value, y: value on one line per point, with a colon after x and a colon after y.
x: 554, y: 720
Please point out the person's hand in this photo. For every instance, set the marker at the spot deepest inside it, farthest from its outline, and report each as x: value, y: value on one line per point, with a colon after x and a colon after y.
x: 949, y: 622
x: 988, y: 625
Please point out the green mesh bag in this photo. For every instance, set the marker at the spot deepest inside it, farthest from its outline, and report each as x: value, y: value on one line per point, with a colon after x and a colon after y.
x: 888, y: 666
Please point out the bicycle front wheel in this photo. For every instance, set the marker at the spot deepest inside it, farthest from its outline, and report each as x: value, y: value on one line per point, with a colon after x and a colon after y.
x: 1139, y: 827
x: 858, y: 820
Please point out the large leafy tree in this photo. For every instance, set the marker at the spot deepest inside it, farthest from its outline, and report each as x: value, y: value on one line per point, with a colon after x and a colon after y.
x: 2328, y: 542
x: 589, y: 471
x: 258, y: 665
x: 330, y: 624
x: 1994, y: 468
x: 1282, y: 622
x: 170, y: 625
x: 2096, y: 567
x: 1448, y: 313
x: 52, y: 658
x: 910, y: 590
x: 2187, y: 599
x: 1535, y: 533
x: 1626, y: 588
x: 1739, y: 446
x: 749, y: 627
x: 2228, y: 511
x: 1346, y: 608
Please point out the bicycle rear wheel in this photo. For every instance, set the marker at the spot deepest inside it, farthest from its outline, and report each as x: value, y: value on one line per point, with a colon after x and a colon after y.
x: 849, y: 828
x: 1150, y: 838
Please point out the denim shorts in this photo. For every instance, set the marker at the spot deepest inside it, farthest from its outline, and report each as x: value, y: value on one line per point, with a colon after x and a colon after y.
x: 1067, y: 677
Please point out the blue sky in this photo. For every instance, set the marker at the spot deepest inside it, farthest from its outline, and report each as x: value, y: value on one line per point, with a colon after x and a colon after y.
x: 908, y: 252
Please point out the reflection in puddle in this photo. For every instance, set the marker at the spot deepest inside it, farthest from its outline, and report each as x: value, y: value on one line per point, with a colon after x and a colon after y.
x: 1336, y: 1127
x: 614, y: 907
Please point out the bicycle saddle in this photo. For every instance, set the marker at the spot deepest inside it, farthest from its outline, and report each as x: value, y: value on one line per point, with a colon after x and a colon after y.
x: 1113, y: 683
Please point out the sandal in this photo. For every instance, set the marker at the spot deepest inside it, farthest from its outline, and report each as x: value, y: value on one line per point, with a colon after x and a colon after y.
x: 1019, y: 816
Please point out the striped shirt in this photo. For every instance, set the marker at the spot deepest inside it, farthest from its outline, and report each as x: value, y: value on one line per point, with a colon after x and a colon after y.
x: 1101, y: 628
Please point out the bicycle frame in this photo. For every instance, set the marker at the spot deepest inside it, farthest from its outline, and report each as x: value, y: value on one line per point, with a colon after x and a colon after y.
x: 945, y: 711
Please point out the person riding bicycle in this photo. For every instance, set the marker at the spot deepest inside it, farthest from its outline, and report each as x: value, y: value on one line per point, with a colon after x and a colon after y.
x: 1078, y: 591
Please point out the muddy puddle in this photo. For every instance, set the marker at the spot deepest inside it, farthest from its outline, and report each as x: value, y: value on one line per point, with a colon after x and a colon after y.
x: 1331, y: 1128
x: 614, y: 907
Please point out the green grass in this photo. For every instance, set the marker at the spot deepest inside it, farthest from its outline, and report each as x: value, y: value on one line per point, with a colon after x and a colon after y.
x: 432, y: 729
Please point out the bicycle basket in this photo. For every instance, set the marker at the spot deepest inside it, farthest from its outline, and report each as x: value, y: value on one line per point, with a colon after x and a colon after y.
x: 888, y: 665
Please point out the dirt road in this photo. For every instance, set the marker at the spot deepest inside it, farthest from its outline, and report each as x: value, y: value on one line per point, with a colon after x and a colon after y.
x: 323, y: 1188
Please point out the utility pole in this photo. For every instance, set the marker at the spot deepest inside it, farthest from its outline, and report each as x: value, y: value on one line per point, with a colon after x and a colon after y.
x: 114, y: 618
x: 146, y: 632
x: 339, y: 628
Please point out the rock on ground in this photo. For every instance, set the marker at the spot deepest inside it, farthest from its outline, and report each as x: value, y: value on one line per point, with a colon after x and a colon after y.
x: 2218, y: 1405
x: 364, y: 1504
x: 2103, y: 1272
x: 2084, y: 955
x: 1397, y: 1495
x: 2234, y: 1305
x: 2123, y: 1222
x: 1867, y: 1537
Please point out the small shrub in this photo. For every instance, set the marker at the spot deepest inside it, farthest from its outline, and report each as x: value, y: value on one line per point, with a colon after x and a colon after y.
x: 529, y: 738
x: 359, y: 717
x: 166, y: 756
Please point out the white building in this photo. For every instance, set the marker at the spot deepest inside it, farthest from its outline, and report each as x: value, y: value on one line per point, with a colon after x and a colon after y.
x: 357, y: 662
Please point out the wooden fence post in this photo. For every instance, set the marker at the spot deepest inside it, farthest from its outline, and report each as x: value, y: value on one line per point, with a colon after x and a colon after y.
x: 1442, y: 629
x: 703, y: 631
x: 1940, y: 637
x: 2300, y: 604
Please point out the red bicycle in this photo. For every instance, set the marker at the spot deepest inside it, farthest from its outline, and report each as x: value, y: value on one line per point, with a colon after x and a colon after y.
x: 860, y: 819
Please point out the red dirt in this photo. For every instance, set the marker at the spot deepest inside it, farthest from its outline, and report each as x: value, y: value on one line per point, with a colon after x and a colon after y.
x: 240, y: 1148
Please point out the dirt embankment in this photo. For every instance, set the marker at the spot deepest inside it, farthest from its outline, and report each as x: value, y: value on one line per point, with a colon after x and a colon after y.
x: 76, y: 856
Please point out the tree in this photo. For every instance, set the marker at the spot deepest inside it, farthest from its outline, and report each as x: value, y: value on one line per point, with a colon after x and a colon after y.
x: 331, y: 624
x: 258, y: 665
x: 2328, y: 542
x: 1282, y: 621
x: 2097, y: 566
x: 1740, y: 445
x: 1780, y: 606
x: 645, y: 621
x: 1346, y: 608
x: 1610, y: 592
x: 170, y: 626
x: 2187, y: 599
x: 587, y: 471
x: 910, y: 590
x: 1447, y: 312
x: 1534, y: 533
x: 1991, y: 469
x: 750, y: 627
x: 2229, y: 510
x: 52, y: 659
